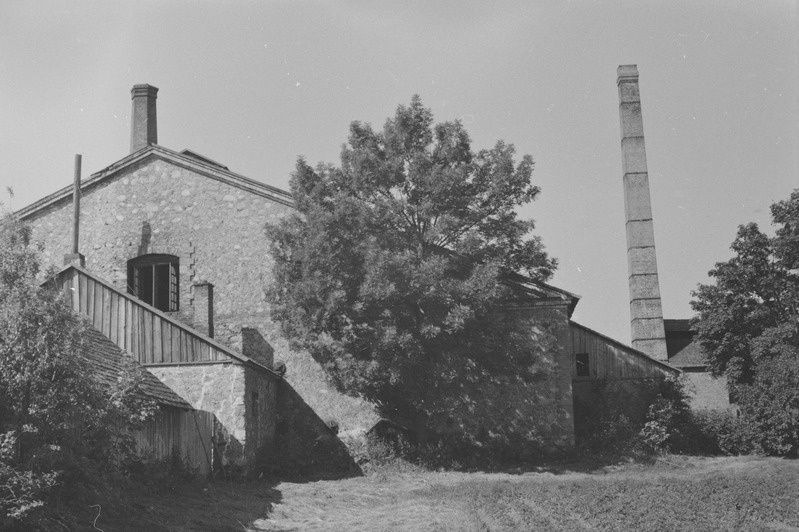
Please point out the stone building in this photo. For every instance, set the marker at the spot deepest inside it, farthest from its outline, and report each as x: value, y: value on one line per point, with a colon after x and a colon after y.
x: 180, y: 238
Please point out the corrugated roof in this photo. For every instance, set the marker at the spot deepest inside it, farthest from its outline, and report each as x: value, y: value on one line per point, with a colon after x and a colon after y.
x: 105, y: 360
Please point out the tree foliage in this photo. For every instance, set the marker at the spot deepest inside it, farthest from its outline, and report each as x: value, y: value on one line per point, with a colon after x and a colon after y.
x: 390, y: 271
x: 748, y: 325
x: 52, y: 412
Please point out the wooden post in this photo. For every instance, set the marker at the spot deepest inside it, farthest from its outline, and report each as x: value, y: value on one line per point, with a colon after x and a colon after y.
x: 75, y: 257
x: 76, y: 206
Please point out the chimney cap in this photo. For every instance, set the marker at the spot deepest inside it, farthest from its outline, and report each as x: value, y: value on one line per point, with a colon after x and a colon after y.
x: 143, y: 89
x: 627, y: 73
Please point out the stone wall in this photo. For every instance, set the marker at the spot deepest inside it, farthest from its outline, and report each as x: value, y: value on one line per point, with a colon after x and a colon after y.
x: 260, y: 413
x: 216, y: 230
x: 554, y: 410
x: 305, y: 446
x: 596, y: 401
x: 510, y: 411
x: 243, y: 400
x: 219, y: 389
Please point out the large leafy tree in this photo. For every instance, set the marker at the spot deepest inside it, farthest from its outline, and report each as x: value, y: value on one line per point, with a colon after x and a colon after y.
x: 748, y: 326
x: 390, y: 273
x: 751, y: 311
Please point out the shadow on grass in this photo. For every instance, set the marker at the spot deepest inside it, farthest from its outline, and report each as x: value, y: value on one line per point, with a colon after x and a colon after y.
x: 221, y: 505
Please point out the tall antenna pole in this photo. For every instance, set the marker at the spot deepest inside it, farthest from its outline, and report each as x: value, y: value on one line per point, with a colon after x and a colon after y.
x: 76, y: 206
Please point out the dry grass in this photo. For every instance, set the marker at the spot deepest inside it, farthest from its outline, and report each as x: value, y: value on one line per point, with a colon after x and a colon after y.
x: 681, y: 494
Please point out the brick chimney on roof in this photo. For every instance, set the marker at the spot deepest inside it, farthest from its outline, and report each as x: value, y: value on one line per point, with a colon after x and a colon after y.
x: 143, y: 124
x: 646, y: 312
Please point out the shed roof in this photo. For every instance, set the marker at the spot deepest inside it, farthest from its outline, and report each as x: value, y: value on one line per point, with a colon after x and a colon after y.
x: 632, y: 351
x: 683, y: 349
x: 106, y: 362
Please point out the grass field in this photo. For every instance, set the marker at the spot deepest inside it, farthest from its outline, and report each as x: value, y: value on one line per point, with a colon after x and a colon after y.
x: 673, y: 494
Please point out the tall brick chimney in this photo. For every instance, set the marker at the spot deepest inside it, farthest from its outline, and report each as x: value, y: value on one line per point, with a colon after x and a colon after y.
x: 143, y: 124
x: 646, y: 312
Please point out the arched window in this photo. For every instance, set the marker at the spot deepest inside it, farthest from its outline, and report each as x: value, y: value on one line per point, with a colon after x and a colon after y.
x: 154, y: 280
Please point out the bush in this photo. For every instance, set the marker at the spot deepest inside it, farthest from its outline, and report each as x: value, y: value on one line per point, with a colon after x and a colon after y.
x: 769, y: 415
x: 770, y: 405
x: 668, y: 420
x: 21, y: 490
x: 722, y: 433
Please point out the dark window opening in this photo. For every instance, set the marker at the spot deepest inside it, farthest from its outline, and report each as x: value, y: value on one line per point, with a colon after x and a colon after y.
x: 154, y: 280
x: 254, y: 403
x: 582, y: 365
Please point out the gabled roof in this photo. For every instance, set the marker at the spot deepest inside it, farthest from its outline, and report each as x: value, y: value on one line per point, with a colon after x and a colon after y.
x: 524, y: 287
x: 105, y: 360
x: 203, y: 158
x: 187, y: 159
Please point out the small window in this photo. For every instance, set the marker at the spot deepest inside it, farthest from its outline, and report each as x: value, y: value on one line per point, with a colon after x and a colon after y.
x: 254, y: 403
x: 582, y: 365
x: 154, y: 280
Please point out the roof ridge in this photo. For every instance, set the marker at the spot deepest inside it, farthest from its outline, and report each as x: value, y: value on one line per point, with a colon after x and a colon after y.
x: 212, y: 171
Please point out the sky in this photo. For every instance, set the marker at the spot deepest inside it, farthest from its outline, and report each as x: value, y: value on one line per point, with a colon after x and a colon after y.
x: 254, y: 85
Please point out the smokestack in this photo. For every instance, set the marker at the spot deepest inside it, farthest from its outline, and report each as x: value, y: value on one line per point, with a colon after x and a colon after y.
x: 143, y: 124
x: 646, y: 312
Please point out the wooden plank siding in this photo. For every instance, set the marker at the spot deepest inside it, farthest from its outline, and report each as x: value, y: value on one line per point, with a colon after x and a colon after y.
x: 150, y: 336
x: 187, y: 432
x: 612, y: 360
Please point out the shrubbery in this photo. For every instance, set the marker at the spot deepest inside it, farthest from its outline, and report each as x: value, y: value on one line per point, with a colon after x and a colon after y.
x: 767, y: 421
x: 60, y: 432
x: 746, y: 324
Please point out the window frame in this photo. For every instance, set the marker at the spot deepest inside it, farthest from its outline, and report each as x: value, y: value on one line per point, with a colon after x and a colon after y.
x: 582, y: 363
x: 155, y: 263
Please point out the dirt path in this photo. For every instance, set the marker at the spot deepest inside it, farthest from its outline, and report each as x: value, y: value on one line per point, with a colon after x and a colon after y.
x: 404, y: 503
